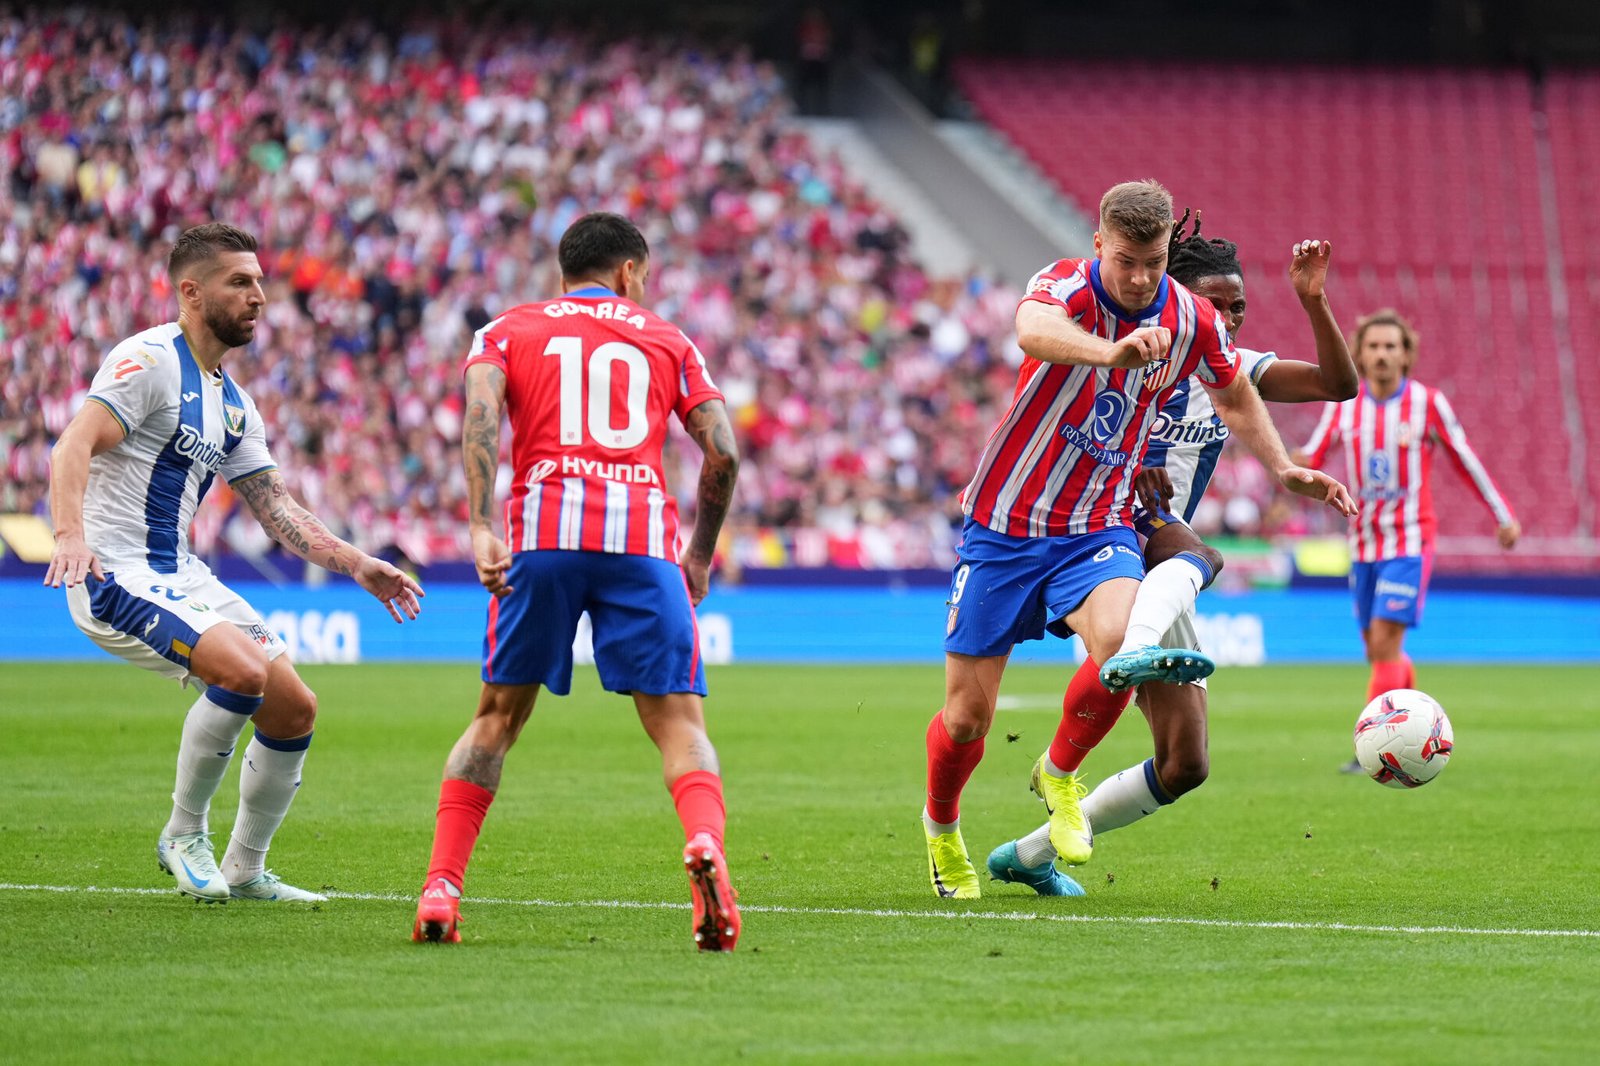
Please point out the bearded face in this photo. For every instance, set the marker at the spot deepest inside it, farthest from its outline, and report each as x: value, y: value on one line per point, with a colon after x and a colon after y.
x: 230, y: 298
x: 232, y: 327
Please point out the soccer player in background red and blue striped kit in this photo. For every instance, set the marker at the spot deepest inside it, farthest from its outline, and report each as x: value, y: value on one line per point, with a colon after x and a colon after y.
x: 1389, y: 431
x: 1048, y: 541
x: 589, y: 381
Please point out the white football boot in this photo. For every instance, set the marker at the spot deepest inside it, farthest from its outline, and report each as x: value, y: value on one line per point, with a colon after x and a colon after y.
x: 269, y: 886
x: 188, y: 858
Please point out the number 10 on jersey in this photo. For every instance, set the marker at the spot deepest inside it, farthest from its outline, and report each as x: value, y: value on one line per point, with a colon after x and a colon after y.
x: 594, y: 375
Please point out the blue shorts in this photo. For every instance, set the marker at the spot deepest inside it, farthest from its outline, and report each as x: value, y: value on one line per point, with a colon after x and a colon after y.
x: 1010, y: 589
x: 1391, y: 589
x: 645, y: 635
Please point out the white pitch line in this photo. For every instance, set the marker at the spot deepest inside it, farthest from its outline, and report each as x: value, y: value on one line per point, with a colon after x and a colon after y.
x: 871, y: 912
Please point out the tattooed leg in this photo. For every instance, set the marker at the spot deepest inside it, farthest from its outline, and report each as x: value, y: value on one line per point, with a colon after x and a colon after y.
x: 481, y: 752
x: 676, y: 724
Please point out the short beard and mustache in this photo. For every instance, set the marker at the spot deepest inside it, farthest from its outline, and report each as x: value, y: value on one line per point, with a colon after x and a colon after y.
x: 230, y: 331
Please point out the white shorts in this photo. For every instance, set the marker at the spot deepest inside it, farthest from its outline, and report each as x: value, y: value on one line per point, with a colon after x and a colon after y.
x: 154, y: 620
x: 1183, y: 635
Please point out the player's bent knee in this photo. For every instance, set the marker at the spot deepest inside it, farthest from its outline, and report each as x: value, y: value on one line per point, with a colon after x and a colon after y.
x: 1102, y: 644
x: 1212, y: 557
x: 967, y: 720
x: 1168, y: 541
x: 1184, y: 773
x: 226, y: 657
x: 289, y: 714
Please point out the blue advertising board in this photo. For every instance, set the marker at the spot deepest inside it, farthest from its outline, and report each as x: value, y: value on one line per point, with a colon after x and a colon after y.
x: 338, y: 623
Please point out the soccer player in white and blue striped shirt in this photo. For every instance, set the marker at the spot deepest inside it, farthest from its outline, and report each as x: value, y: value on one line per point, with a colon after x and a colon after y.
x: 164, y: 418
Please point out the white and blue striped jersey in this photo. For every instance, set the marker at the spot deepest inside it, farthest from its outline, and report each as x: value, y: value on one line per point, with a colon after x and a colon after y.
x: 183, y: 427
x: 1188, y: 435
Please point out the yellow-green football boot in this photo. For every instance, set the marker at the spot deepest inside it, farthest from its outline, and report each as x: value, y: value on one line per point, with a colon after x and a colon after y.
x: 1070, y: 833
x: 948, y: 866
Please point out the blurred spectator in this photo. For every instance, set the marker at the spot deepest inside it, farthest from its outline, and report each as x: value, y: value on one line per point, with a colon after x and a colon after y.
x: 406, y: 189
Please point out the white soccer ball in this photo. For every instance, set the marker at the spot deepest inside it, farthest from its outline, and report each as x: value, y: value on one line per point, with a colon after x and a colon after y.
x: 1403, y: 738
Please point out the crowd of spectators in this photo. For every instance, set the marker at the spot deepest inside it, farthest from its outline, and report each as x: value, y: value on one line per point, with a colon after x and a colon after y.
x: 408, y: 186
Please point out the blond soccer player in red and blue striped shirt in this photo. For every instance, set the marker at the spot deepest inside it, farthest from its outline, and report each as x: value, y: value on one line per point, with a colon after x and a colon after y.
x: 1389, y: 432
x: 1048, y: 543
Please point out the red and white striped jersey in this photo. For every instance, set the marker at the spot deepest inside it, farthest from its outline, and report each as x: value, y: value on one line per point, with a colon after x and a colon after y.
x: 591, y: 379
x: 1388, y: 451
x: 1063, y: 458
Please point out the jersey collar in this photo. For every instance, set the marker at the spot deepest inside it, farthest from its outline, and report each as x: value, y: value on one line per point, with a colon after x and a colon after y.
x: 590, y: 290
x: 1399, y: 390
x: 1159, y: 304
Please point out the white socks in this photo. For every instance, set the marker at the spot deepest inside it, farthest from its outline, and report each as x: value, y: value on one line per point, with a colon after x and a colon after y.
x: 210, y: 732
x: 1124, y: 798
x: 937, y: 828
x: 1169, y: 589
x: 268, y: 780
x: 1117, y: 801
x: 1035, y: 849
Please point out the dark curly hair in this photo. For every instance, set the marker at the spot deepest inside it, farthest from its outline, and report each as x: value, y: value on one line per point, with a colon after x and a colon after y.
x: 1192, y: 257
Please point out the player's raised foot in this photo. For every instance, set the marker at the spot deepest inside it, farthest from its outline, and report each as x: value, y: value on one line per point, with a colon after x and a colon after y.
x: 948, y: 866
x: 716, y: 910
x: 438, y: 914
x: 1176, y: 666
x: 189, y: 860
x: 269, y: 887
x: 1044, y: 879
x: 1070, y: 833
x: 1353, y: 767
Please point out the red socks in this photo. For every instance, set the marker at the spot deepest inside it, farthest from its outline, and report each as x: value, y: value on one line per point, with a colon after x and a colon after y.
x: 1088, y: 712
x: 698, y: 797
x: 1386, y: 675
x: 949, y: 766
x: 462, y: 806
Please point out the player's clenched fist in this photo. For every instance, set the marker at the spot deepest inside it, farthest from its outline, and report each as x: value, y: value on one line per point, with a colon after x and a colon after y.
x: 1141, y: 347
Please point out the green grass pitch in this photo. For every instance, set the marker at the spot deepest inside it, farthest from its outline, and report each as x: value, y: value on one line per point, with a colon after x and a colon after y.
x: 1298, y: 914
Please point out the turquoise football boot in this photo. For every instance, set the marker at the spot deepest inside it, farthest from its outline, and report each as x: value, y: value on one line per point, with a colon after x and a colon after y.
x: 1045, y: 880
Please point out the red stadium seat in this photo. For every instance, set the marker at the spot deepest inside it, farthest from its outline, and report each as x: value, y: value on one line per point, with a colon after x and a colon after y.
x: 1429, y: 183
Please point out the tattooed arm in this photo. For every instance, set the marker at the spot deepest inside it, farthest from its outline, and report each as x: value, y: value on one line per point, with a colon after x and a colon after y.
x: 480, y: 451
x: 303, y: 533
x: 709, y: 426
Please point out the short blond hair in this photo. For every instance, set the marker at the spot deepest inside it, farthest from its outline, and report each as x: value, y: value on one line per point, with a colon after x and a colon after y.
x: 1139, y: 210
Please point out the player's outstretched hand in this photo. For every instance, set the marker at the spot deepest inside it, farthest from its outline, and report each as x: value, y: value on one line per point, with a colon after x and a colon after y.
x: 697, y: 572
x: 1154, y: 486
x: 397, y: 591
x: 1308, y: 269
x: 1509, y: 533
x: 72, y: 562
x: 1143, y: 346
x: 492, y: 557
x: 1318, y: 486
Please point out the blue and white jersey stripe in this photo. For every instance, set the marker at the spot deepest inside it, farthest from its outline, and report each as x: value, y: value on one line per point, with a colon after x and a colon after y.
x: 183, y: 426
x: 1187, y: 435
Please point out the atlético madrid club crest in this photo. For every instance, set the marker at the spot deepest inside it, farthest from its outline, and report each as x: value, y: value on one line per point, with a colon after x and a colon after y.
x: 1158, y: 374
